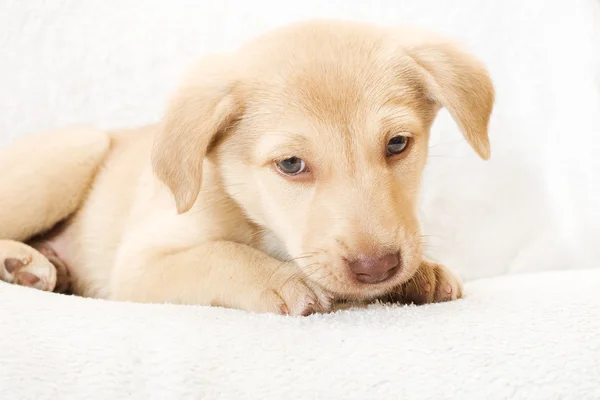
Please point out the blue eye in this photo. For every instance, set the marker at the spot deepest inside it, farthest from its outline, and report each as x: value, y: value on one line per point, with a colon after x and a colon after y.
x: 291, y: 166
x: 397, y: 145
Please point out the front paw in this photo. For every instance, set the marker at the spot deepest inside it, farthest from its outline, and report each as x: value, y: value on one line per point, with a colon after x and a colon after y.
x: 289, y: 293
x: 432, y: 283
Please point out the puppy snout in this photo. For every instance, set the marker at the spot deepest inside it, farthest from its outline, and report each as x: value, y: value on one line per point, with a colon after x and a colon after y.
x: 375, y: 269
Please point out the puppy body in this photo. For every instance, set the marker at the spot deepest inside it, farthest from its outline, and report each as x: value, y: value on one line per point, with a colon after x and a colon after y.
x: 221, y: 226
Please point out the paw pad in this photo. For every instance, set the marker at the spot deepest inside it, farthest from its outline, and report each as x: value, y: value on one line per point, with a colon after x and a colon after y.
x: 26, y: 279
x: 13, y: 264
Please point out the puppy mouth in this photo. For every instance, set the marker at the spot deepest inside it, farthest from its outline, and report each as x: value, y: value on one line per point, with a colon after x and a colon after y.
x: 367, y: 279
x: 348, y: 286
x: 366, y: 291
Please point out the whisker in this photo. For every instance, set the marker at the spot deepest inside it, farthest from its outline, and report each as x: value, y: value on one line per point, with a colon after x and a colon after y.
x: 289, y: 260
x: 293, y: 276
x: 321, y: 267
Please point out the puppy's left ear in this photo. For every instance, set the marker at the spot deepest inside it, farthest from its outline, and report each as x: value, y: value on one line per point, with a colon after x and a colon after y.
x: 459, y: 82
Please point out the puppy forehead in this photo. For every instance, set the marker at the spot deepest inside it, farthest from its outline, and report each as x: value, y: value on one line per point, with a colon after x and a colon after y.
x: 334, y: 94
x: 342, y: 91
x: 337, y: 112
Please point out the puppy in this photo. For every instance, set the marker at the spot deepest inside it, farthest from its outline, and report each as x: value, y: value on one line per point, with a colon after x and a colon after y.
x: 283, y: 177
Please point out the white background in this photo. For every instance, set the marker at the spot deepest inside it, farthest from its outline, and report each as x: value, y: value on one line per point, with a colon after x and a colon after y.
x: 534, y: 206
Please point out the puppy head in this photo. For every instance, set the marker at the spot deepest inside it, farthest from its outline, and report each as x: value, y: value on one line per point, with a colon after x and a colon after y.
x: 320, y: 133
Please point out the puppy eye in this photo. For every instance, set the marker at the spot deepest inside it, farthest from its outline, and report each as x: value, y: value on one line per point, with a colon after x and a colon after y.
x: 396, y: 145
x: 291, y: 166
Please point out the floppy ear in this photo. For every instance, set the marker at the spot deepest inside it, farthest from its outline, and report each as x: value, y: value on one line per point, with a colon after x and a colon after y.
x: 201, y: 109
x: 459, y: 82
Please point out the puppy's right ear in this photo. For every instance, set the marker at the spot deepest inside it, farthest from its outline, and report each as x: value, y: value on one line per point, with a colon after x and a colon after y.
x: 204, y: 107
x: 456, y: 80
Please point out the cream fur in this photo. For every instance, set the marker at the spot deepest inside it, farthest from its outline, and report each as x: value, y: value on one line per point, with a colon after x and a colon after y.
x: 47, y: 180
x: 220, y: 226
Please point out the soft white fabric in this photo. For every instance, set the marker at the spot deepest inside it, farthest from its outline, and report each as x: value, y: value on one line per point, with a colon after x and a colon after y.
x: 533, y: 207
x: 522, y: 337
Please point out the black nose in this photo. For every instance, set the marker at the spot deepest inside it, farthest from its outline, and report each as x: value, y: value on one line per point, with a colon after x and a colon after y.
x: 374, y: 269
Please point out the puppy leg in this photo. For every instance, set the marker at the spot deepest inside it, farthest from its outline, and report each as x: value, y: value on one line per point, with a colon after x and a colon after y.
x: 219, y: 273
x: 45, y: 178
x: 432, y: 283
x: 23, y: 265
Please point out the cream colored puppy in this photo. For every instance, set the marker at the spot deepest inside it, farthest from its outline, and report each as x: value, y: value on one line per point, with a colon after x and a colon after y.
x: 283, y: 176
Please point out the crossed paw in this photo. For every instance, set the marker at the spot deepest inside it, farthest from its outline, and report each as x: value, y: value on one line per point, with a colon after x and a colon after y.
x: 432, y: 283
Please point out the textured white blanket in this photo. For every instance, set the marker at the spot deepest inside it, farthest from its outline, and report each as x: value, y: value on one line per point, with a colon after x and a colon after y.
x: 522, y: 337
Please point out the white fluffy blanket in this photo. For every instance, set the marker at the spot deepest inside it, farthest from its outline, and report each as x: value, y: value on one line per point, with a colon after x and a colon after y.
x: 523, y: 337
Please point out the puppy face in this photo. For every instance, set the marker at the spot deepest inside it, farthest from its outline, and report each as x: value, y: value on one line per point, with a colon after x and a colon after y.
x: 320, y: 132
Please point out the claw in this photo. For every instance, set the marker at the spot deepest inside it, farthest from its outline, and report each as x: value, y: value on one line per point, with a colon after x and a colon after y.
x: 448, y: 289
x: 284, y: 310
